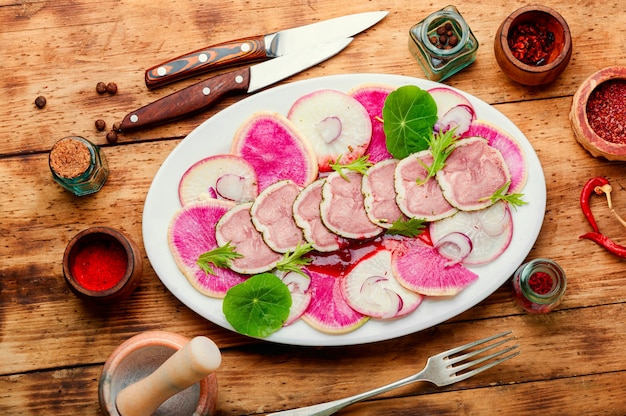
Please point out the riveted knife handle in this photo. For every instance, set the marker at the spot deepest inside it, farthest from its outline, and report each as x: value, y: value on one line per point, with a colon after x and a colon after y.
x: 188, y: 101
x: 240, y: 51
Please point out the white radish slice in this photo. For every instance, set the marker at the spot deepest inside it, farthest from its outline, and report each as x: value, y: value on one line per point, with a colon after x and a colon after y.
x: 458, y: 118
x: 298, y: 286
x: 343, y: 207
x: 380, y: 195
x: 508, y: 146
x: 235, y: 227
x: 306, y: 213
x: 335, y: 124
x: 226, y: 177
x: 446, y: 98
x: 328, y: 311
x: 371, y: 288
x: 420, y: 268
x: 478, y: 227
x: 272, y: 216
x: 454, y: 246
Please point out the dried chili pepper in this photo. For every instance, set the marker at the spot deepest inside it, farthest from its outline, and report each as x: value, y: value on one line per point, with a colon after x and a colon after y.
x: 608, y: 244
x: 589, y: 189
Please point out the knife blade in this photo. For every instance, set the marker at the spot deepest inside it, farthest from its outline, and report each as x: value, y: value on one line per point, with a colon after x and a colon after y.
x: 255, y: 48
x: 200, y: 96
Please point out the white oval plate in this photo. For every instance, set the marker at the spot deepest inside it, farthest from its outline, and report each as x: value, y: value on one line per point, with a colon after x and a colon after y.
x: 214, y: 136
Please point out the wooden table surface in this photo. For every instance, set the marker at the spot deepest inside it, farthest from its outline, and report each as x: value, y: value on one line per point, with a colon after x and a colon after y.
x: 53, y: 346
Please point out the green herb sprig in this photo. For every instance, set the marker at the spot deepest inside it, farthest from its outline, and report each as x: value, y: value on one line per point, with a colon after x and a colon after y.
x: 218, y: 257
x: 500, y: 194
x: 294, y: 261
x: 360, y: 165
x: 407, y: 228
x: 441, y: 146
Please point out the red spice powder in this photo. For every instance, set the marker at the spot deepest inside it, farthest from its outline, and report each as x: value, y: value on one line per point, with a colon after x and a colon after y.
x: 531, y: 42
x: 606, y: 111
x: 99, y: 264
x: 540, y: 283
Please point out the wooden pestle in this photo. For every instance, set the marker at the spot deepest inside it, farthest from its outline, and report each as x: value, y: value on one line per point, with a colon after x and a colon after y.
x: 196, y: 360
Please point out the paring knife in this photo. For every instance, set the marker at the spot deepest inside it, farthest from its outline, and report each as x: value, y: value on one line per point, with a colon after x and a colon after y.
x: 202, y: 95
x: 255, y: 48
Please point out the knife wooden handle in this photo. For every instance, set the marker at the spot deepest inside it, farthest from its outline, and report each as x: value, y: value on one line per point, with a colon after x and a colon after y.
x: 195, y: 361
x: 234, y: 52
x: 187, y: 101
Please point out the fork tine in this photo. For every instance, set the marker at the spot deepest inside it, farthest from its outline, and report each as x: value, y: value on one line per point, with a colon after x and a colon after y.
x: 460, y: 377
x: 458, y: 358
x: 473, y: 344
x: 464, y: 366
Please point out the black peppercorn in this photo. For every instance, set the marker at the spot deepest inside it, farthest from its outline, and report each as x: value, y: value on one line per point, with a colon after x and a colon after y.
x: 112, y: 137
x: 101, y: 87
x: 111, y: 88
x: 40, y: 101
x: 100, y: 124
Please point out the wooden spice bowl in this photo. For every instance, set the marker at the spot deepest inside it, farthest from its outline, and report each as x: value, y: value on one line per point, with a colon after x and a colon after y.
x: 583, y: 131
x: 102, y: 264
x: 554, y: 64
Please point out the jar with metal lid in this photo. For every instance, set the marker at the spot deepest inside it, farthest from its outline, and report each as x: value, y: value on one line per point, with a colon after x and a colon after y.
x: 443, y: 44
x: 78, y: 165
x: 539, y: 285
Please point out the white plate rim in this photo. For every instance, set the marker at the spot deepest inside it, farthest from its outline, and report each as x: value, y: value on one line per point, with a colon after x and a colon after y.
x: 215, y: 135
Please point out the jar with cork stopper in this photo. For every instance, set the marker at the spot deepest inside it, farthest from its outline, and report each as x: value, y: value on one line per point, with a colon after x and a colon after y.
x: 78, y: 165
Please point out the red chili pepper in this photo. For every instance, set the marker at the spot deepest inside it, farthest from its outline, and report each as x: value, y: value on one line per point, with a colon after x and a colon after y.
x: 604, y: 241
x: 589, y: 189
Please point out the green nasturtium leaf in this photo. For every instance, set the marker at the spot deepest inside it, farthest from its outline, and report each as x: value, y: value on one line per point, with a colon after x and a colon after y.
x: 409, y: 115
x: 259, y: 306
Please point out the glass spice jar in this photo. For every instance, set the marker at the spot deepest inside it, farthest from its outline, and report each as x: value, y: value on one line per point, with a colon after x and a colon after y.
x: 539, y: 285
x: 78, y: 165
x: 443, y: 44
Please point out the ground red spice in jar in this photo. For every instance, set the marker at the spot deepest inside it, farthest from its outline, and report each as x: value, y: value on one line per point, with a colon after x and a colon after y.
x: 531, y: 42
x: 540, y: 283
x: 99, y: 264
x: 606, y: 110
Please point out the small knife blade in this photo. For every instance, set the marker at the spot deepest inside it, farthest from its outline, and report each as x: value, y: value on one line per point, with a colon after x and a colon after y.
x: 255, y: 48
x: 204, y: 94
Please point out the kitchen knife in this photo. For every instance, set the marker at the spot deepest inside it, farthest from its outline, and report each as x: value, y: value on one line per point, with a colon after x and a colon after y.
x: 255, y: 48
x: 202, y: 95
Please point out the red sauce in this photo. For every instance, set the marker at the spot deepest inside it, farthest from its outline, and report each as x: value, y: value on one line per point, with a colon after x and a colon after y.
x: 606, y: 111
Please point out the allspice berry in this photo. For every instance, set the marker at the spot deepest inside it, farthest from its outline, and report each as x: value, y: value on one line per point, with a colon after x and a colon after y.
x: 112, y: 137
x: 112, y: 88
x: 101, y: 87
x: 40, y: 102
x: 101, y: 124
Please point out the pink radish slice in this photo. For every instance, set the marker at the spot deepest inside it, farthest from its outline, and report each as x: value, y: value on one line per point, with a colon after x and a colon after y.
x: 380, y: 196
x: 306, y: 213
x: 458, y: 118
x: 272, y: 216
x: 371, y: 288
x: 298, y: 286
x: 328, y: 312
x: 420, y: 200
x: 226, y: 177
x: 276, y: 150
x: 446, y: 99
x: 191, y: 233
x: 335, y: 124
x: 508, y: 146
x: 479, y: 227
x: 473, y: 172
x: 343, y: 207
x: 373, y: 97
x: 236, y: 227
x: 420, y: 268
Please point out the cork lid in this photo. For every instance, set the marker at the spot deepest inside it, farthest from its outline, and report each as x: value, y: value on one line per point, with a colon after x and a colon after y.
x: 70, y: 157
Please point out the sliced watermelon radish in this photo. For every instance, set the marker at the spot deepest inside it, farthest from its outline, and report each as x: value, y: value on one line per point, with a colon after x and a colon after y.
x: 235, y: 227
x: 446, y: 99
x: 380, y: 195
x: 343, y: 206
x: 276, y: 150
x: 508, y: 146
x: 336, y: 124
x: 458, y: 118
x: 328, y: 311
x: 473, y: 172
x: 490, y: 230
x: 373, y: 97
x: 298, y: 286
x: 191, y: 233
x: 371, y: 288
x: 272, y: 216
x: 226, y: 177
x: 421, y: 268
x: 306, y: 213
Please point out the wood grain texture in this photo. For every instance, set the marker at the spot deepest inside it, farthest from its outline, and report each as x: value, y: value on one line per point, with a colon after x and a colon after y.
x: 54, y: 345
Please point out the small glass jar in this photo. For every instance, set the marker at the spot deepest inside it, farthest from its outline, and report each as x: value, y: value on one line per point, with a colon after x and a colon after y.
x: 78, y: 165
x: 539, y: 285
x: 441, y: 60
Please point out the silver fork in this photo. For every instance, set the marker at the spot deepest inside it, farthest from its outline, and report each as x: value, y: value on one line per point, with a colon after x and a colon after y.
x: 440, y: 370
